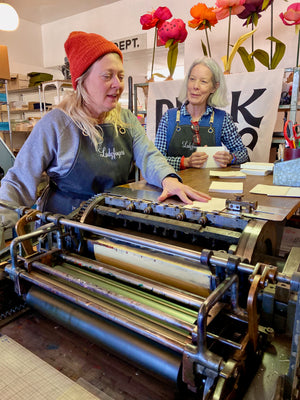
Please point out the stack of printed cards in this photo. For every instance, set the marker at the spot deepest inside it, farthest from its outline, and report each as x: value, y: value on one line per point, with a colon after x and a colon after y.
x: 257, y: 168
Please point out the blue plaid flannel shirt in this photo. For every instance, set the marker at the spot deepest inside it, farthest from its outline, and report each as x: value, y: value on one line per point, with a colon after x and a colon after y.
x: 229, y: 137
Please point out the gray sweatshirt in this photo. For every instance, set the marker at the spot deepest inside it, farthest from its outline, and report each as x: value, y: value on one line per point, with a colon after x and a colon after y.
x: 51, y: 148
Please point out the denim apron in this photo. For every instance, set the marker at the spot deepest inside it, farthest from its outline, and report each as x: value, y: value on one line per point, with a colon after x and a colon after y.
x: 182, y: 134
x: 92, y: 171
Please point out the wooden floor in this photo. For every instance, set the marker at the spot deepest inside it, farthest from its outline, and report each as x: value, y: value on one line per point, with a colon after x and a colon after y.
x: 103, y: 374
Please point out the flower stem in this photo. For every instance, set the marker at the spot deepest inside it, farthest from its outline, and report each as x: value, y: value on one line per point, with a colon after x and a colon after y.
x: 297, y: 61
x: 153, y: 53
x: 228, y: 39
x: 207, y: 41
x: 271, y: 44
x: 252, y: 39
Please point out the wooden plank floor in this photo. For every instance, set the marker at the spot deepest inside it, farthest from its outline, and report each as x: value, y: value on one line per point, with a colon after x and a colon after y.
x: 100, y: 372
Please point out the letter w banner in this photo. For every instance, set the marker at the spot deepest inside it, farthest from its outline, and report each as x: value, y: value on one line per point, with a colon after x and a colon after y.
x: 253, y: 104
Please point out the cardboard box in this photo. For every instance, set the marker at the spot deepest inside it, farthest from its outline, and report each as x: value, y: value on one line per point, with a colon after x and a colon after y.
x: 34, y: 105
x: 17, y: 81
x: 286, y: 173
x: 17, y: 105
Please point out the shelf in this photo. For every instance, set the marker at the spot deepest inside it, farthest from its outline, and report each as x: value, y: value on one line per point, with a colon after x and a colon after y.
x: 57, y: 83
x: 287, y: 107
x: 32, y: 89
x: 20, y: 111
x: 45, y: 85
x: 15, y: 131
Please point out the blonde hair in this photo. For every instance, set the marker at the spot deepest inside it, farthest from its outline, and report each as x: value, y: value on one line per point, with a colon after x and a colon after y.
x: 74, y: 106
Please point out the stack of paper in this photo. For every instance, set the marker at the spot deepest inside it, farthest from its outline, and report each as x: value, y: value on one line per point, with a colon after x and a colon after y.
x: 257, y: 168
x: 227, y: 174
x: 224, y: 187
x: 210, y: 151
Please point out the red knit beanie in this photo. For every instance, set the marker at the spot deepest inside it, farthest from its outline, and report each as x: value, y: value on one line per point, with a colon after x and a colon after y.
x: 83, y: 49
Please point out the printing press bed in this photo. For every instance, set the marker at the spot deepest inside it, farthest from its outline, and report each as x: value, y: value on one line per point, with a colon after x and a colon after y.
x: 197, y: 303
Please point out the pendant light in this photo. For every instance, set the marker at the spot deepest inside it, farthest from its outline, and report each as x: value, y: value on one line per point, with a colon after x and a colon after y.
x: 9, y: 19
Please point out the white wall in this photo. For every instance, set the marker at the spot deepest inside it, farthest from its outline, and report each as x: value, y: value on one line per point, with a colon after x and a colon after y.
x: 32, y: 47
x: 218, y: 38
x: 25, y: 49
x: 121, y: 19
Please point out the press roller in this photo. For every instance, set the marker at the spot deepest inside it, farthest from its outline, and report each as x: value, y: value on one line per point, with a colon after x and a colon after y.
x: 143, y: 285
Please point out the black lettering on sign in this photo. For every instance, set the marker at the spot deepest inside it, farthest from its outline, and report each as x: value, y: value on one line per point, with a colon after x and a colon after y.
x: 253, y: 121
x: 159, y: 109
x: 135, y: 44
x: 128, y: 44
x: 250, y: 131
x: 235, y: 107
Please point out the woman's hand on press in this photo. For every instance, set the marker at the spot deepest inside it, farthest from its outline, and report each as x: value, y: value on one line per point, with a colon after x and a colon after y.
x: 223, y: 158
x: 172, y: 187
x: 195, y: 160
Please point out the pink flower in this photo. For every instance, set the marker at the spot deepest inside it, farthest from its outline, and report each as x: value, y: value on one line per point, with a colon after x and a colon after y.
x: 226, y: 7
x: 292, y: 15
x: 163, y: 13
x: 155, y: 18
x: 174, y: 29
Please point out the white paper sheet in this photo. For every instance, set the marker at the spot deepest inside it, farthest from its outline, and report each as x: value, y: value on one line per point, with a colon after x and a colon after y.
x: 214, y: 204
x: 210, y: 151
x: 272, y: 190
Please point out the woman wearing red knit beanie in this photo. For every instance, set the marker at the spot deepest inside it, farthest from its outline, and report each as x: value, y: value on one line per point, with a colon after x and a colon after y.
x: 88, y: 143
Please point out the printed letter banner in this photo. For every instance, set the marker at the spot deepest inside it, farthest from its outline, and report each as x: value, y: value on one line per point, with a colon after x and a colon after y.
x: 253, y: 104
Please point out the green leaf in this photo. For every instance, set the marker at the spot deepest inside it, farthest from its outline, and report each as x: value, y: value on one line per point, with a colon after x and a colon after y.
x: 247, y: 59
x: 169, y: 43
x: 262, y: 56
x: 279, y: 51
x: 238, y: 43
x: 204, y: 49
x: 172, y: 58
x: 255, y: 19
x: 159, y: 75
x: 265, y: 4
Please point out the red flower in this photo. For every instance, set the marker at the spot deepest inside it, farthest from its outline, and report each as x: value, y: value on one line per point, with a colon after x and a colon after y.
x: 155, y: 18
x: 226, y: 7
x: 204, y: 17
x: 292, y: 15
x: 172, y: 30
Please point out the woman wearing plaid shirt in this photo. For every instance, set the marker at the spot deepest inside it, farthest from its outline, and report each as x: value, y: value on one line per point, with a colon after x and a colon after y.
x: 199, y: 123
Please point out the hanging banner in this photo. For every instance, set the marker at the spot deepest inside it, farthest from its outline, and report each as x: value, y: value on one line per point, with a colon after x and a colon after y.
x: 253, y: 104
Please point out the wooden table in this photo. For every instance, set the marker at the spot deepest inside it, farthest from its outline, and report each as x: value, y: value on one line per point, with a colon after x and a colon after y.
x: 199, y: 179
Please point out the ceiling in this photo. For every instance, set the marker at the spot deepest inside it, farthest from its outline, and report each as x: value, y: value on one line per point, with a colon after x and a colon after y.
x: 45, y: 11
